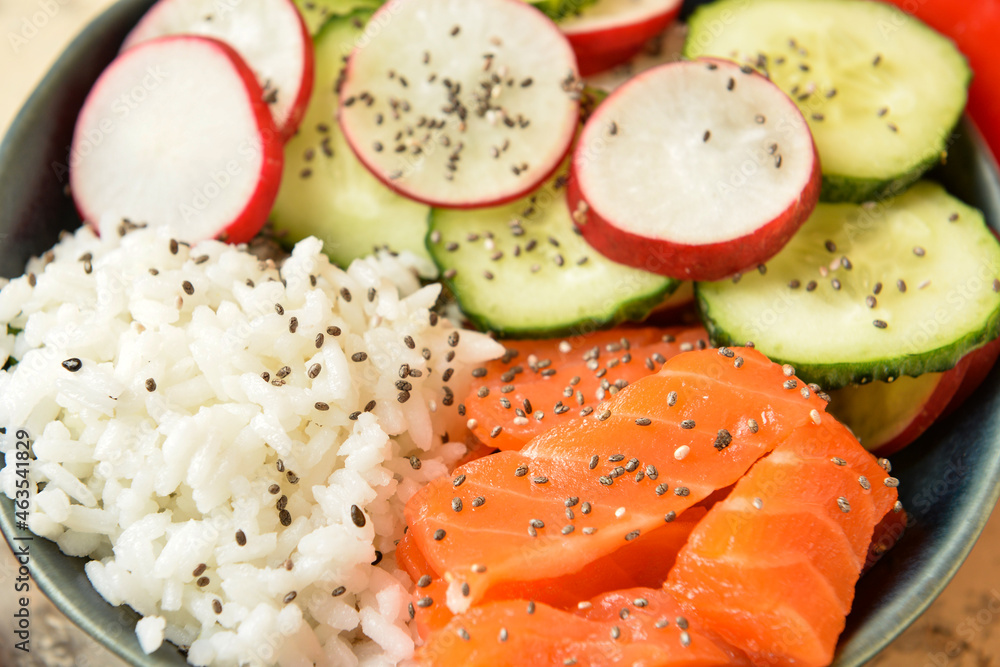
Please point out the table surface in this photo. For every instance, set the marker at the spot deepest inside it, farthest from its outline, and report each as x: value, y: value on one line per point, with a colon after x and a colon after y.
x: 959, y: 630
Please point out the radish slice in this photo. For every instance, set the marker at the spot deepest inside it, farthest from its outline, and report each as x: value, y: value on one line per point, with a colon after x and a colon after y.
x: 269, y: 35
x: 461, y: 104
x: 694, y: 170
x: 667, y: 47
x: 886, y: 417
x: 610, y: 32
x: 175, y: 133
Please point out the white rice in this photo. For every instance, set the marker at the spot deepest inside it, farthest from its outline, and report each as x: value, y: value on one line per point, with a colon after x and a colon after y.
x: 154, y: 483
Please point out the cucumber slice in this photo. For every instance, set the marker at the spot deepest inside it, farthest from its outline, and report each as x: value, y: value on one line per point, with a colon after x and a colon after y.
x: 326, y: 192
x: 559, y: 9
x: 880, y: 90
x: 522, y: 270
x: 869, y: 292
x: 316, y: 12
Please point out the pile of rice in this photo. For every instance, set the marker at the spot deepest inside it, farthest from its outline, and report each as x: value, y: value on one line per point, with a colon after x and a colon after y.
x: 236, y: 443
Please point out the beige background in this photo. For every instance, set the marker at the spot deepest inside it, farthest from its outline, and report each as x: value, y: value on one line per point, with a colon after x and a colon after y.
x: 960, y: 629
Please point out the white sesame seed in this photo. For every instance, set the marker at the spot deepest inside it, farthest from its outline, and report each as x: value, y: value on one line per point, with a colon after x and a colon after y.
x: 620, y: 512
x: 681, y: 452
x: 583, y: 605
x: 814, y: 415
x: 471, y: 424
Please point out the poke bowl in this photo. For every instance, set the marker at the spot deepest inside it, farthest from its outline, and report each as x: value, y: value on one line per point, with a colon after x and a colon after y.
x: 951, y: 473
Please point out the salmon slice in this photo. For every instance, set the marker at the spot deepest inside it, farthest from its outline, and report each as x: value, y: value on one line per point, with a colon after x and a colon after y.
x: 518, y: 633
x: 656, y: 448
x: 539, y: 384
x: 772, y: 568
x: 643, y: 562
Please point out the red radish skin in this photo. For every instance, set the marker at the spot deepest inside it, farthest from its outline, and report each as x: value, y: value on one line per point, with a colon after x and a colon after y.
x: 263, y: 138
x: 240, y: 29
x: 932, y: 409
x: 706, y: 261
x: 978, y: 365
x: 421, y: 176
x: 601, y: 48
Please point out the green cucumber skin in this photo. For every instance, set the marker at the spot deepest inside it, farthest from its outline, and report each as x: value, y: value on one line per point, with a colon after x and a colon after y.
x: 327, y: 10
x: 839, y: 188
x: 842, y: 187
x: 631, y: 310
x: 835, y: 376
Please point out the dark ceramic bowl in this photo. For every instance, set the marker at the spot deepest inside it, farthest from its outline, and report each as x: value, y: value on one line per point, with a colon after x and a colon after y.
x: 950, y: 476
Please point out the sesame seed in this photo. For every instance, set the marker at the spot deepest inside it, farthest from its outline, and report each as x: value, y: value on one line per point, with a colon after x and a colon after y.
x: 687, y: 424
x: 672, y: 399
x: 425, y: 602
x: 321, y: 406
x: 881, y: 324
x: 521, y: 470
x: 815, y: 416
x: 643, y: 421
x: 72, y: 365
x: 439, y: 534
x: 681, y: 491
x: 865, y: 484
x: 358, y: 517
x: 843, y: 504
x: 202, y: 582
x: 200, y: 570
x: 661, y: 489
x: 456, y: 504
x: 339, y: 590
x: 891, y: 482
x: 359, y: 356
x: 670, y: 516
x: 722, y: 439
x: 752, y: 425
x: 333, y: 331
x: 217, y: 605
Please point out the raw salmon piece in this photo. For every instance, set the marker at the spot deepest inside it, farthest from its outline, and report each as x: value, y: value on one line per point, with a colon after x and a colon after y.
x: 645, y: 561
x: 659, y: 446
x: 772, y: 568
x: 519, y: 633
x: 549, y: 382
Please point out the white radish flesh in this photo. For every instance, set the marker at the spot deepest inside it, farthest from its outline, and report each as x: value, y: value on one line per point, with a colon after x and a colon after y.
x: 461, y: 104
x: 269, y: 35
x: 695, y: 170
x: 175, y: 133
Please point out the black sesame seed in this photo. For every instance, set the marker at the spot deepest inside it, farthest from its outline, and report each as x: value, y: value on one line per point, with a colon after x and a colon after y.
x: 241, y: 538
x: 72, y: 365
x: 358, y: 517
x: 439, y: 534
